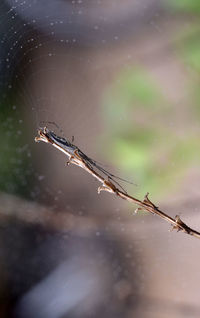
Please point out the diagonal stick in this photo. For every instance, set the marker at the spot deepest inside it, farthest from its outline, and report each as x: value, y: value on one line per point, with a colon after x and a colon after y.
x: 108, y: 186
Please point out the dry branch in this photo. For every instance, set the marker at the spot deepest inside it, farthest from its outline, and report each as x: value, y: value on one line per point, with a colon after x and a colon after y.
x: 145, y: 205
x: 76, y: 157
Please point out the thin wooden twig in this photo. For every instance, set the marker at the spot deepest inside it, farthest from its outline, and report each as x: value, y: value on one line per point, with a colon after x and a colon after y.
x: 146, y: 204
x: 108, y: 185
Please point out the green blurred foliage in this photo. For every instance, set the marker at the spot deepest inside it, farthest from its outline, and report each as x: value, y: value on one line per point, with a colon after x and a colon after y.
x: 189, y: 52
x: 141, y: 140
x: 189, y: 6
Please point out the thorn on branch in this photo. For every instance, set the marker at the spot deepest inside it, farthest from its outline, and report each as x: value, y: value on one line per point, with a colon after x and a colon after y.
x: 180, y: 224
x: 104, y: 187
x: 137, y: 210
x: 147, y: 201
x: 101, y: 188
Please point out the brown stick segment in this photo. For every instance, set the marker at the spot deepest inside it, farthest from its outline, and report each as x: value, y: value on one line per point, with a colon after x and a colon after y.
x: 108, y: 186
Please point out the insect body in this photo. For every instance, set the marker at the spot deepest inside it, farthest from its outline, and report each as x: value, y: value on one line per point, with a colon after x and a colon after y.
x: 76, y: 156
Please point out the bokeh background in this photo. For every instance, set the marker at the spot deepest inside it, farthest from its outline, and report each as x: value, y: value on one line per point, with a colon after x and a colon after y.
x: 123, y: 79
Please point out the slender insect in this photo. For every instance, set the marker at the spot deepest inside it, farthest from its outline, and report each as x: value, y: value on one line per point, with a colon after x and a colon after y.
x: 76, y: 156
